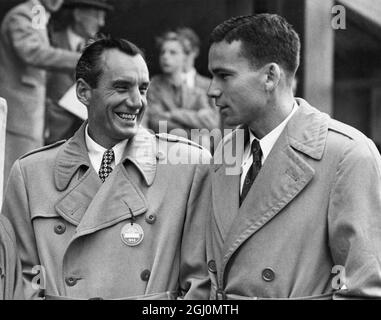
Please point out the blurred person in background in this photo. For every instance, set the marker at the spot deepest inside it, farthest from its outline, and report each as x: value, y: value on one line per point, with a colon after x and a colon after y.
x: 25, y: 55
x: 170, y: 99
x: 191, y: 76
x: 73, y: 26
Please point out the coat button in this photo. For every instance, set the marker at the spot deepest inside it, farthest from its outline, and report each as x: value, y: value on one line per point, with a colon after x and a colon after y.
x: 59, y: 228
x: 145, y: 275
x: 70, y: 281
x: 160, y: 155
x: 220, y: 294
x: 151, y: 218
x: 268, y: 274
x: 212, y: 267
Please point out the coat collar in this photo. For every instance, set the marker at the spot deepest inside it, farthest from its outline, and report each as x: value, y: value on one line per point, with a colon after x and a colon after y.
x: 307, y: 130
x: 140, y: 150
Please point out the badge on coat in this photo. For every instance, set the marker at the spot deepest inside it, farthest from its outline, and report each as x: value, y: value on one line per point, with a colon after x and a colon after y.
x: 132, y: 234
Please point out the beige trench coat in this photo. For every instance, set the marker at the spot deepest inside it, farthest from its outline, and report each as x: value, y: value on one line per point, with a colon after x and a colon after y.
x: 311, y: 218
x: 70, y: 223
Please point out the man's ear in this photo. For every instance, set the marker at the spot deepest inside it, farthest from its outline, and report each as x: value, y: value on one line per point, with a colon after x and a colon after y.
x: 84, y: 92
x: 273, y: 74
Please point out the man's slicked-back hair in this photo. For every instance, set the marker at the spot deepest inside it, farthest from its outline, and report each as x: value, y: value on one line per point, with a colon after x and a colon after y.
x: 89, y: 66
x: 265, y: 38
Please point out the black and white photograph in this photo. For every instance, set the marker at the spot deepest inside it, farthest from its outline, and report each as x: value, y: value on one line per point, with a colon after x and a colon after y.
x: 212, y: 153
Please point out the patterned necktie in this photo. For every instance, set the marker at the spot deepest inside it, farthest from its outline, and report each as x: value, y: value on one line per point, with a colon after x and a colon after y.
x: 105, y: 169
x: 253, y: 170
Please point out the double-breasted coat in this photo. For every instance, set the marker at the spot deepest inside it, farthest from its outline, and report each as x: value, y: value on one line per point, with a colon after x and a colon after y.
x: 25, y: 55
x: 310, y: 224
x: 11, y: 284
x: 71, y: 224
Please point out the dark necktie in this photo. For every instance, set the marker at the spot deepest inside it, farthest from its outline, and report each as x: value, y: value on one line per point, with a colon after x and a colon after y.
x: 253, y: 170
x: 105, y: 169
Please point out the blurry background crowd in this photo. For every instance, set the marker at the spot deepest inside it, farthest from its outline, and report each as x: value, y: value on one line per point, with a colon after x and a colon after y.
x: 340, y: 69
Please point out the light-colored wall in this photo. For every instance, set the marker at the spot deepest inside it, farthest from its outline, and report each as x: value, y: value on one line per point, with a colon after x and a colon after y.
x: 319, y: 54
x: 3, y: 119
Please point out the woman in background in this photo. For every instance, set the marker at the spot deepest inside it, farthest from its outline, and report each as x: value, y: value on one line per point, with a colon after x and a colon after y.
x: 171, y: 100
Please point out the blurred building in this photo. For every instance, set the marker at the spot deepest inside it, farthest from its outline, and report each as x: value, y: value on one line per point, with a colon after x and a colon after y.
x: 340, y: 71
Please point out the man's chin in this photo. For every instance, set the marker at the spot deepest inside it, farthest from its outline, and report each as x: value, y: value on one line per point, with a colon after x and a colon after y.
x: 128, y: 134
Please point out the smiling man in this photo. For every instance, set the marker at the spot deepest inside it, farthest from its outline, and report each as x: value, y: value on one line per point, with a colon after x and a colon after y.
x: 301, y: 218
x: 105, y: 215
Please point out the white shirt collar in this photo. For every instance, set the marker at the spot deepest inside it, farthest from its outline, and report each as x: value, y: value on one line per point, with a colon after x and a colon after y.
x: 268, y: 141
x: 96, y: 151
x: 75, y: 40
x: 190, y: 77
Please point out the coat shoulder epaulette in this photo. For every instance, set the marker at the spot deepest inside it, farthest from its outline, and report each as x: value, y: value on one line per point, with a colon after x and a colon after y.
x: 172, y: 138
x: 344, y: 130
x: 50, y: 146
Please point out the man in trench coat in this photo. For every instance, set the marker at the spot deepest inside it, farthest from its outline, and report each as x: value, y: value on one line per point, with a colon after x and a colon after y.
x: 115, y: 212
x: 25, y: 55
x: 10, y: 267
x: 296, y: 214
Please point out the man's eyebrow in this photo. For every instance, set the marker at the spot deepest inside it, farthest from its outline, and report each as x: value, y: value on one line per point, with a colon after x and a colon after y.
x: 123, y: 82
x: 220, y: 70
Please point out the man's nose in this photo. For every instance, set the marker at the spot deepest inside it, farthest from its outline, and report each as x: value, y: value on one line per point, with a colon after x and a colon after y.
x: 135, y: 99
x: 214, y: 91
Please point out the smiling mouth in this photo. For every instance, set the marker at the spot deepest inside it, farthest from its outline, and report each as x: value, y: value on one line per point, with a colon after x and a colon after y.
x: 127, y: 116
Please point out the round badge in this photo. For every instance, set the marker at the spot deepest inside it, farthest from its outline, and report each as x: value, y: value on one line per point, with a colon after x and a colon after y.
x: 132, y: 234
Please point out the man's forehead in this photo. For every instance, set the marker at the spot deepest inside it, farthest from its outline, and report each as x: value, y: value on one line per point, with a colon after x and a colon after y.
x: 120, y: 63
x: 224, y: 49
x: 223, y: 54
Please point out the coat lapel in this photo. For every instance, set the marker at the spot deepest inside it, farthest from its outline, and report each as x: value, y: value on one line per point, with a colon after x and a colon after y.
x: 118, y: 199
x: 226, y: 180
x: 283, y: 176
x: 74, y: 173
x: 90, y: 204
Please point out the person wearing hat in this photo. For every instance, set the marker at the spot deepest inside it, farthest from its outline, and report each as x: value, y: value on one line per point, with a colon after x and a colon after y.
x: 72, y: 27
x: 25, y: 55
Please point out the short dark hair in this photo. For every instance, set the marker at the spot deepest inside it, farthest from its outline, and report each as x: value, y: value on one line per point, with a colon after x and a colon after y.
x: 265, y: 38
x: 89, y: 67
